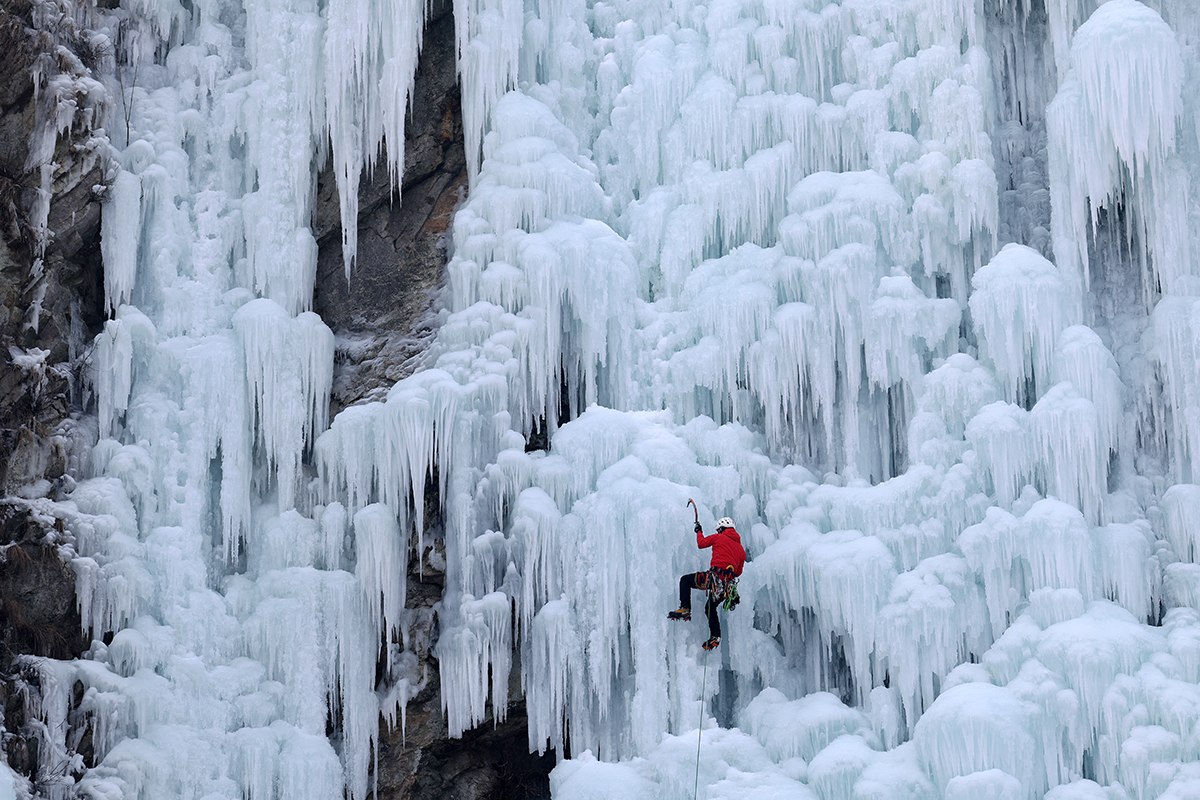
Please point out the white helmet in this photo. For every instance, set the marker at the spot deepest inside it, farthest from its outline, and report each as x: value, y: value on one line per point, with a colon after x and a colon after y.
x: 724, y: 522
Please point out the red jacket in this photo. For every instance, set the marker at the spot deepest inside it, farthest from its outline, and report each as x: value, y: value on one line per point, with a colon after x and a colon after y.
x: 726, y: 549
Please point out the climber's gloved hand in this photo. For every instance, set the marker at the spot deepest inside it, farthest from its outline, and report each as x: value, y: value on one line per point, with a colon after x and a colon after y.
x: 699, y: 527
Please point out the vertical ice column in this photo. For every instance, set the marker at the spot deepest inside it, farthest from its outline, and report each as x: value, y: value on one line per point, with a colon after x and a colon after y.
x: 120, y: 227
x: 1085, y: 362
x: 112, y: 375
x: 217, y: 402
x: 549, y: 682
x: 1019, y: 307
x: 1065, y: 17
x: 289, y: 367
x: 1069, y: 448
x: 1121, y: 97
x: 478, y: 646
x: 382, y: 568
x: 843, y: 222
x: 1177, y: 334
x: 975, y: 727
x: 488, y: 36
x: 281, y: 120
x: 1181, y: 509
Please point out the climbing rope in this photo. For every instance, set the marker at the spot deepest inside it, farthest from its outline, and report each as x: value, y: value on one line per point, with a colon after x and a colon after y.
x: 703, y: 684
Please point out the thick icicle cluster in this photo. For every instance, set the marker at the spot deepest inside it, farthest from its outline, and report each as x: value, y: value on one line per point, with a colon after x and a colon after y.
x: 1121, y: 96
x: 244, y: 618
x: 370, y: 58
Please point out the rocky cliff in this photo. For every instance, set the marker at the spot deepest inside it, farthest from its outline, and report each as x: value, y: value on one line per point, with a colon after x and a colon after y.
x: 50, y: 307
x: 50, y: 270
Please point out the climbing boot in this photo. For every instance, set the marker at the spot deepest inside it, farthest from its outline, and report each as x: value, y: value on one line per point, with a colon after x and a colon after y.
x: 684, y: 614
x: 712, y: 643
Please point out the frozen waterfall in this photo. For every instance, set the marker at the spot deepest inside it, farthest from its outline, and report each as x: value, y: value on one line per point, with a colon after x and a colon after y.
x: 908, y: 288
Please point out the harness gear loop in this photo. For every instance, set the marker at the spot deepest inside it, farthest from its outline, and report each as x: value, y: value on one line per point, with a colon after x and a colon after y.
x: 721, y: 583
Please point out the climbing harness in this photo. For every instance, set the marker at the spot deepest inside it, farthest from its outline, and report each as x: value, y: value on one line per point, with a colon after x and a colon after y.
x: 722, y: 587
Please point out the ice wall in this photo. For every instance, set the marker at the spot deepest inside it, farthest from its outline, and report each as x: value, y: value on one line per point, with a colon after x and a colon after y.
x: 947, y: 443
x: 790, y: 259
x: 235, y: 622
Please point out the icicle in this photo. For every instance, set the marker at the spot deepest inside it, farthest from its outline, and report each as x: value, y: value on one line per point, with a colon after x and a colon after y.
x: 382, y: 568
x: 466, y: 656
x: 289, y: 369
x: 371, y: 61
x: 1181, y: 509
x: 113, y: 374
x: 1020, y: 305
x: 1176, y: 329
x: 1048, y: 547
x: 800, y: 728
x: 1123, y: 95
x: 903, y: 323
x: 548, y: 682
x: 976, y: 727
x: 120, y: 228
x: 1086, y: 363
x: 1123, y: 553
x: 488, y: 36
x: 1068, y: 438
x: 933, y: 612
x: 1000, y: 435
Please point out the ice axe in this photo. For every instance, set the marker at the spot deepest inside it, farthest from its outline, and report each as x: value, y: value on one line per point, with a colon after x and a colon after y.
x: 692, y: 503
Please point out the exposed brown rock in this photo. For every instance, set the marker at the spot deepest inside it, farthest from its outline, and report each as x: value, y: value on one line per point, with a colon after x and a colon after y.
x: 37, y: 593
x: 40, y: 358
x: 383, y: 317
x: 36, y: 397
x: 488, y: 763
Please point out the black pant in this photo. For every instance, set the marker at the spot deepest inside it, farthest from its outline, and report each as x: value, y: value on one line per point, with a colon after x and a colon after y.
x: 699, y: 580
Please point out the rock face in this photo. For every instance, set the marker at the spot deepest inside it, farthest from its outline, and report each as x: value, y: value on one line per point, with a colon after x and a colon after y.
x: 486, y: 764
x: 38, y: 617
x: 50, y: 305
x: 37, y: 592
x: 50, y: 269
x: 383, y: 317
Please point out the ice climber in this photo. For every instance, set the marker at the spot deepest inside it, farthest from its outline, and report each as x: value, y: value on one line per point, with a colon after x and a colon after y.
x: 720, y: 581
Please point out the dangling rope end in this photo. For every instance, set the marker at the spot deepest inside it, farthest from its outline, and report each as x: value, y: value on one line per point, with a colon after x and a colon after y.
x: 700, y: 729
